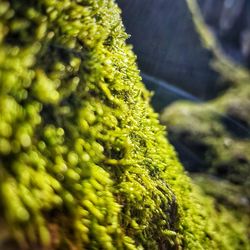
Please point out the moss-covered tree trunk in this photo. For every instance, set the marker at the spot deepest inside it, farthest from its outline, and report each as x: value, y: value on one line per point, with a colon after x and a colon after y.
x: 84, y: 162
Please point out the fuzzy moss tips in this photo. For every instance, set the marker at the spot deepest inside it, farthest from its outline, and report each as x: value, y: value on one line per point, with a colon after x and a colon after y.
x: 84, y: 162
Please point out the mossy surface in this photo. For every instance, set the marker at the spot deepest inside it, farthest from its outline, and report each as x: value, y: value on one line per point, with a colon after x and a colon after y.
x: 225, y: 193
x: 217, y: 131
x: 215, y: 135
x: 84, y: 162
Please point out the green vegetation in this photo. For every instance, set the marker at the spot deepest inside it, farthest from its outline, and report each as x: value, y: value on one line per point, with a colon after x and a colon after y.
x: 230, y: 195
x: 84, y: 162
x: 217, y: 132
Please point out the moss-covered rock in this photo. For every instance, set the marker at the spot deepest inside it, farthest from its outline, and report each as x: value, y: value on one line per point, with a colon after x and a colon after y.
x: 213, y: 138
x: 84, y: 162
x: 228, y: 194
x: 217, y: 131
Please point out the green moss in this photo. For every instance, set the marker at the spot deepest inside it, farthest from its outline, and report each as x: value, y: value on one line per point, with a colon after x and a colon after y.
x: 230, y: 195
x: 84, y: 162
x: 218, y: 132
x: 220, y: 127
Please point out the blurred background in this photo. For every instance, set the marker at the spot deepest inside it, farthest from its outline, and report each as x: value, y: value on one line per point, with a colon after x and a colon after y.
x: 195, y: 57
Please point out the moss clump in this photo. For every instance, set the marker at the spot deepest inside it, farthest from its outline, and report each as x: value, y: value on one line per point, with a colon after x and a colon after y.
x: 215, y: 135
x: 84, y: 162
x: 230, y: 195
x: 217, y: 131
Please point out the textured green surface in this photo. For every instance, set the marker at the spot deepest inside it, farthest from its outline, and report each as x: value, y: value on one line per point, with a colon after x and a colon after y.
x: 218, y: 131
x: 216, y: 134
x: 84, y: 162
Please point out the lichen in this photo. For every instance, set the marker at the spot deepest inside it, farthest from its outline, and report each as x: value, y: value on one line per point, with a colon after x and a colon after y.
x: 84, y: 162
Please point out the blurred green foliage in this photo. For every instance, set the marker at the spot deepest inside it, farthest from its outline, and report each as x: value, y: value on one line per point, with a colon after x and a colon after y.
x: 217, y: 132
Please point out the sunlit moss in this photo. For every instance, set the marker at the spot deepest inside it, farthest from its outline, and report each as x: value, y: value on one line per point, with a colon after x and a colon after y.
x: 84, y: 161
